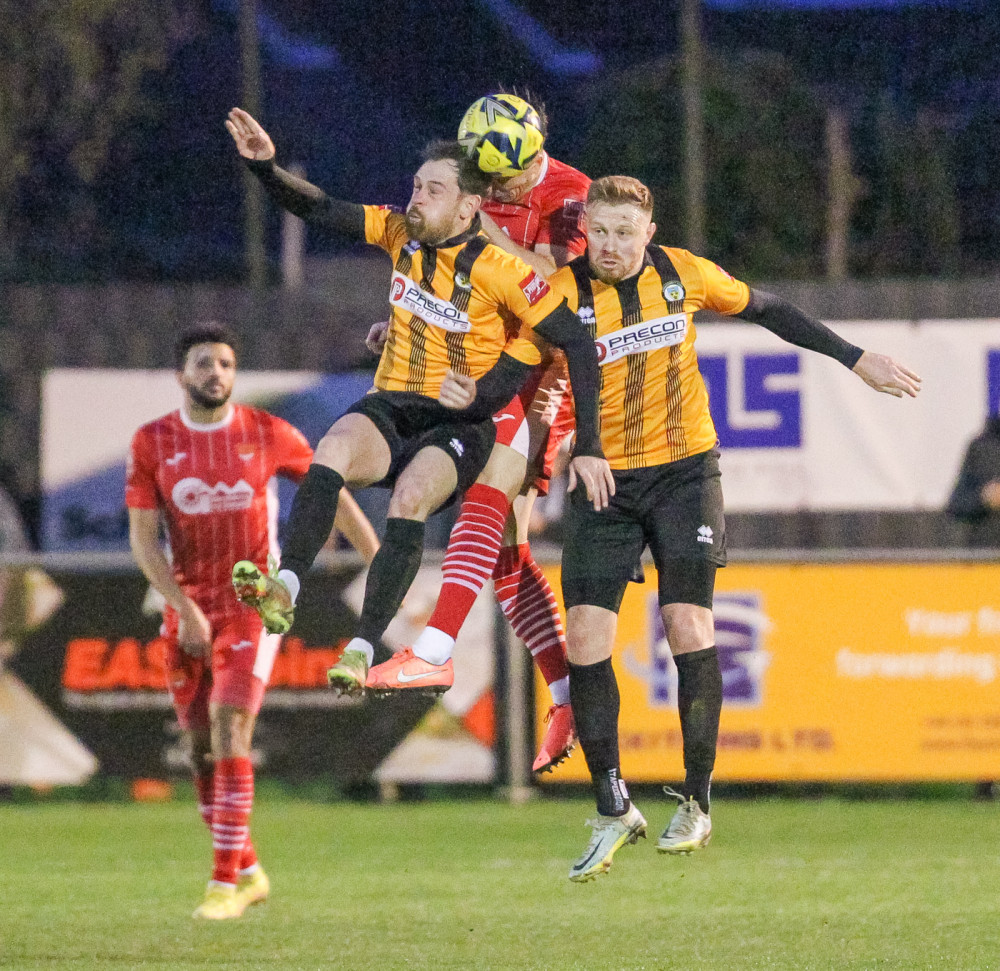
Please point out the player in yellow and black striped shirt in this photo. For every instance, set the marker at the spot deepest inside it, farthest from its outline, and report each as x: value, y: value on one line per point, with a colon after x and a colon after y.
x: 461, y: 307
x: 637, y: 301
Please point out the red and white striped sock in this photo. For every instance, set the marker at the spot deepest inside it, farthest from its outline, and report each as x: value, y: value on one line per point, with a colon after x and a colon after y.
x: 204, y: 784
x: 231, y: 816
x: 528, y: 603
x: 468, y: 563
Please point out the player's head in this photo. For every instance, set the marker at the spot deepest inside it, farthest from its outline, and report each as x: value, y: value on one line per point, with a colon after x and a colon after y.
x: 448, y: 190
x: 205, y: 359
x: 505, y: 134
x: 619, y: 224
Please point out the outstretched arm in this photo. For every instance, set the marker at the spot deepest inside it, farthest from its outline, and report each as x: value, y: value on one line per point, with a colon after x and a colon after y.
x: 790, y: 323
x: 299, y: 197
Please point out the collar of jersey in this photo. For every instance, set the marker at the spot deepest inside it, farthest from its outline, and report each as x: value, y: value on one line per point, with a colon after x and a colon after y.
x: 214, y: 426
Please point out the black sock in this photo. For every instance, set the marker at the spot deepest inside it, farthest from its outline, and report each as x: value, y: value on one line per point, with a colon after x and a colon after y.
x: 699, y: 700
x: 311, y: 520
x: 593, y: 693
x: 390, y: 575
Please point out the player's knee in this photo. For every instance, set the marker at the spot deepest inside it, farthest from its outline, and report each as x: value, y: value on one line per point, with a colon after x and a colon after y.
x: 688, y: 627
x: 505, y: 471
x: 232, y: 731
x: 410, y: 501
x: 590, y: 634
x: 333, y: 451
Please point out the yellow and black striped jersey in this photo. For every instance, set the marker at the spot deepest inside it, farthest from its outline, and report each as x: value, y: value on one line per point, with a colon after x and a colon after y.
x: 653, y: 400
x: 458, y: 306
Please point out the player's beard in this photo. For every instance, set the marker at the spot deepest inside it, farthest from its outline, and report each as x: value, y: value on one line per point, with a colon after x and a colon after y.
x: 421, y: 230
x: 205, y: 399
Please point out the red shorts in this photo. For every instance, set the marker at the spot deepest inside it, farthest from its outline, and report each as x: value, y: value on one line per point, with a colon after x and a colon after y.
x: 539, y: 419
x: 236, y: 674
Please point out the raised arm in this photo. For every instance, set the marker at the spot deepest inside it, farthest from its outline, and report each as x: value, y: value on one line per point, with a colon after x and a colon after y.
x: 878, y: 371
x: 299, y: 197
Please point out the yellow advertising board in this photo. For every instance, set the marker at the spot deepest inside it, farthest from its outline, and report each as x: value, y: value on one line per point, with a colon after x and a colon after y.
x: 831, y: 671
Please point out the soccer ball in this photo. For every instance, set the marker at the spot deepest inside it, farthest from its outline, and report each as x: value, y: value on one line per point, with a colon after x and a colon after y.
x: 503, y: 132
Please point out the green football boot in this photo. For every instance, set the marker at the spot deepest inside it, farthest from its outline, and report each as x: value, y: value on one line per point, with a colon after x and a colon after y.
x: 265, y: 593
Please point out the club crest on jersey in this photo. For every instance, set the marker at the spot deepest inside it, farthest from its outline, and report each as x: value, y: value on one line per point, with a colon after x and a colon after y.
x: 246, y: 451
x: 647, y: 335
x: 431, y: 309
x: 534, y: 287
x: 196, y: 498
x: 673, y: 291
x: 463, y: 281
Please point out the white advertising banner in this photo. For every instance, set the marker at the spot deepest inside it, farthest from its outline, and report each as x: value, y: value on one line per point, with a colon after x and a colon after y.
x: 798, y: 431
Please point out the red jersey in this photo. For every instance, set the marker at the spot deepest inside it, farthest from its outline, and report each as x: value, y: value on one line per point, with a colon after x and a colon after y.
x: 215, y: 486
x: 550, y: 213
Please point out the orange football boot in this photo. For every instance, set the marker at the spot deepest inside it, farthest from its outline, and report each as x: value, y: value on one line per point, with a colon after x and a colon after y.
x: 404, y: 671
x: 559, y: 740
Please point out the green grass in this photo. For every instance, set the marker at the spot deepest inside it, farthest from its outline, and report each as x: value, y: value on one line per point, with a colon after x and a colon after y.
x: 785, y: 884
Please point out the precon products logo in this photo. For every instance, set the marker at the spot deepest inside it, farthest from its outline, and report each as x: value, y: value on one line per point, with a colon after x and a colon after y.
x: 437, y: 312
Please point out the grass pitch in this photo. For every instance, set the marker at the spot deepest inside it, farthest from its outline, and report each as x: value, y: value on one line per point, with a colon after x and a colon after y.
x: 477, y: 884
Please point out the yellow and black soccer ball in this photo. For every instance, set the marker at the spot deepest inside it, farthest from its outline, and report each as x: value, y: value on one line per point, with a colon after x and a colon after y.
x: 503, y: 132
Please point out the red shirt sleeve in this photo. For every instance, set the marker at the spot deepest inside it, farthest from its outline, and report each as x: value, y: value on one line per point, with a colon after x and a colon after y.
x: 140, y: 474
x: 292, y: 453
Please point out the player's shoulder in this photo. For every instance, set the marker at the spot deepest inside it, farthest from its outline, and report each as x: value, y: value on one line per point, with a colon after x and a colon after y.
x: 685, y: 262
x: 164, y: 425
x: 249, y: 416
x: 563, y: 174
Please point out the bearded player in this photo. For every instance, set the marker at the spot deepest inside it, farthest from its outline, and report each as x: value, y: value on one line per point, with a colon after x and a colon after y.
x: 208, y: 469
x: 534, y: 212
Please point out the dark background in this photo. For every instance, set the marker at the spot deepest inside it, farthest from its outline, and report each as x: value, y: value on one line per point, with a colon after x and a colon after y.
x: 352, y: 90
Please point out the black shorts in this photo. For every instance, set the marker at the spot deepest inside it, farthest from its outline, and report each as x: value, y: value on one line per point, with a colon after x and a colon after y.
x: 675, y: 509
x: 409, y: 422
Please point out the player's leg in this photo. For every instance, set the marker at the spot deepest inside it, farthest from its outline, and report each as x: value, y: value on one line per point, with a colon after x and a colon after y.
x: 597, y: 558
x: 476, y: 537
x: 199, y: 745
x: 528, y: 602
x: 424, y: 485
x: 489, y: 469
x: 356, y: 450
x: 690, y: 633
x: 242, y: 658
x: 189, y: 683
x: 468, y: 564
x: 685, y: 527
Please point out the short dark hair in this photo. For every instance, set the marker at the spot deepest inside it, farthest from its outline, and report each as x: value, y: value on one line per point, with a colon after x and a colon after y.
x: 209, y: 332
x: 471, y: 180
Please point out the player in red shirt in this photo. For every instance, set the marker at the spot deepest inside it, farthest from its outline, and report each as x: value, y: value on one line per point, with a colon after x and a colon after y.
x: 534, y: 212
x: 208, y: 469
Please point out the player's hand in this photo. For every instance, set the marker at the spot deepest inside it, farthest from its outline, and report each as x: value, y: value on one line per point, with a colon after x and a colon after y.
x: 596, y: 476
x: 457, y: 391
x: 251, y: 140
x: 377, y: 336
x: 194, y: 632
x: 881, y: 372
